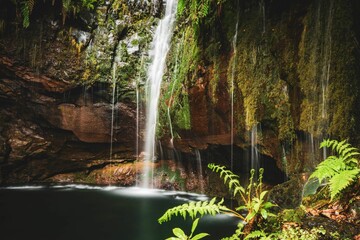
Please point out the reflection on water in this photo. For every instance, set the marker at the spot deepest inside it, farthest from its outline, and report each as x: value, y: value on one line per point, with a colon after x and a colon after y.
x: 94, y: 212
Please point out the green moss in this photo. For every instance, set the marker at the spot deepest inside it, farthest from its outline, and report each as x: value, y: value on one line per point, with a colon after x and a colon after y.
x: 214, y: 82
x: 292, y: 215
x: 182, y: 66
x: 257, y: 74
x: 326, y: 54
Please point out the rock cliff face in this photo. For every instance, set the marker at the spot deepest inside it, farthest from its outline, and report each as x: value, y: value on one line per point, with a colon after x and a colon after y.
x: 280, y: 75
x: 259, y: 79
x: 56, y: 81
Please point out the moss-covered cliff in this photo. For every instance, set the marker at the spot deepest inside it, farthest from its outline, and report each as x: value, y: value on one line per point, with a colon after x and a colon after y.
x: 243, y: 78
x: 60, y: 62
x: 293, y: 70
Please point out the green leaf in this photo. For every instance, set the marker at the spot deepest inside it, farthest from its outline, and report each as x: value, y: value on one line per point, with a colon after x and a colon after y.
x: 194, y: 225
x: 200, y: 236
x: 263, y: 213
x: 179, y: 233
x: 268, y: 205
x: 250, y: 216
x: 262, y: 194
x: 241, y: 208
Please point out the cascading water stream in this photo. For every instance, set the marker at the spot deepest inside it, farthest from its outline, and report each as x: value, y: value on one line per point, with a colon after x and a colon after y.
x: 199, y: 170
x: 232, y: 90
x: 160, y: 48
x: 137, y: 83
x: 112, y: 109
x: 262, y: 9
x: 254, y: 153
x: 325, y: 75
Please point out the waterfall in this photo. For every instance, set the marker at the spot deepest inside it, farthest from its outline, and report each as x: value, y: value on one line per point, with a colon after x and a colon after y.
x: 234, y: 41
x: 262, y: 10
x: 254, y: 152
x: 325, y: 75
x: 136, y: 85
x: 199, y: 170
x: 112, y: 109
x: 158, y: 53
x: 284, y: 161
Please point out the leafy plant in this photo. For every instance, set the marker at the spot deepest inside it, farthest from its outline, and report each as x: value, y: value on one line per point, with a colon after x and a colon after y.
x: 193, y: 209
x: 252, y: 199
x: 336, y: 171
x: 180, y: 235
x: 26, y: 7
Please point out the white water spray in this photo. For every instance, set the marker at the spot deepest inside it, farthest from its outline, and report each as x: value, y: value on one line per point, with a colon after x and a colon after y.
x: 112, y: 109
x: 234, y: 41
x: 325, y: 76
x: 160, y: 48
x: 262, y: 9
x: 199, y: 170
x: 137, y: 83
x: 254, y: 154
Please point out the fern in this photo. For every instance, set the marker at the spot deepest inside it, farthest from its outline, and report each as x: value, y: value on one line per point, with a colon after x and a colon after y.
x: 338, y: 171
x: 256, y: 234
x: 343, y: 149
x: 26, y: 8
x: 181, y: 7
x: 193, y: 209
x: 342, y: 180
x: 328, y: 168
x: 229, y: 178
x: 203, y: 9
x: 253, y: 197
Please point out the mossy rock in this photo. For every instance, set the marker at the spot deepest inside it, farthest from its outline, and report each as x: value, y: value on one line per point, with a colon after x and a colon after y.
x: 288, y: 195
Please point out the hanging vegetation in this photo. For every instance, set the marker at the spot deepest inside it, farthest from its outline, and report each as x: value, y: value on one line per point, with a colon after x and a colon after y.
x: 68, y: 6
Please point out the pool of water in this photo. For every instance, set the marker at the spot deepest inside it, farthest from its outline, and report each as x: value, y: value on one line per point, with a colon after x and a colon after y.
x: 102, y: 213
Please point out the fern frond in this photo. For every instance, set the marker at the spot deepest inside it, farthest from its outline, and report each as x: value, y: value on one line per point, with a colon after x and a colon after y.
x: 324, y: 143
x: 340, y: 170
x: 340, y: 145
x: 328, y: 168
x: 341, y: 149
x: 229, y: 178
x: 181, y: 7
x: 25, y: 12
x: 344, y: 149
x: 31, y: 4
x: 203, y: 9
x: 193, y: 209
x: 348, y: 155
x: 342, y: 180
x: 255, y: 234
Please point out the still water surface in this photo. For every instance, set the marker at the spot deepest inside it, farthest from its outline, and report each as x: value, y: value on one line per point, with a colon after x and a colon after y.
x: 101, y: 213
